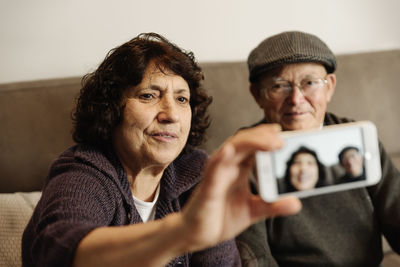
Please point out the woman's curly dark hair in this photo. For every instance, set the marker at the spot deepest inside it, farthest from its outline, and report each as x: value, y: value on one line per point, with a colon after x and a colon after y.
x: 321, y: 169
x: 100, y: 105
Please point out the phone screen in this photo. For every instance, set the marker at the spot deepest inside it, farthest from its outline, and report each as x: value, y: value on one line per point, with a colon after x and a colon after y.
x: 320, y: 159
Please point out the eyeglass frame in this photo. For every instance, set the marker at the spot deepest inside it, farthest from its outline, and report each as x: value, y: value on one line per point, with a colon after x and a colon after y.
x: 292, y: 85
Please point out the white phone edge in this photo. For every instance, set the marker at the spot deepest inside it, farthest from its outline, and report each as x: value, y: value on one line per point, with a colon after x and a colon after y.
x: 267, y: 183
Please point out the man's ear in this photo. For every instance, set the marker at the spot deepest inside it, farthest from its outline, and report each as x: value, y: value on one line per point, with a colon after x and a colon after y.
x: 255, y: 92
x: 331, y: 86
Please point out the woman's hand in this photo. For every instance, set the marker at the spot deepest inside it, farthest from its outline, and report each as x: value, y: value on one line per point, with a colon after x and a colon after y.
x: 222, y: 205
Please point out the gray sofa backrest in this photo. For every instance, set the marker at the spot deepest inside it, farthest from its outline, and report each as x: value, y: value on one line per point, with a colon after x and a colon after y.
x: 36, y: 125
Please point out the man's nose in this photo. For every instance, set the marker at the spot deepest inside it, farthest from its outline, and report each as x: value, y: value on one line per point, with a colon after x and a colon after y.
x: 296, y: 95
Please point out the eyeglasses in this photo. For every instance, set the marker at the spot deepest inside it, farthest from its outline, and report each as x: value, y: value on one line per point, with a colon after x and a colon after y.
x: 280, y: 89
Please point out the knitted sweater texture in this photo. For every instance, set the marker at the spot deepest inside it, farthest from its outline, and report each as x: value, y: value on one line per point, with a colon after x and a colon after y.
x: 87, y: 188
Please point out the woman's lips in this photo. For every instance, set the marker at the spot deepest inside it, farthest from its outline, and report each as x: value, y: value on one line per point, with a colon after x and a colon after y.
x: 164, y: 136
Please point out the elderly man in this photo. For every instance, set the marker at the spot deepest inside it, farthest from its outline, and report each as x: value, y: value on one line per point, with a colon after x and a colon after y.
x: 352, y: 162
x: 292, y: 80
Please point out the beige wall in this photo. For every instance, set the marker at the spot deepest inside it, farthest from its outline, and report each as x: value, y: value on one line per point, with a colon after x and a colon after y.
x: 49, y: 39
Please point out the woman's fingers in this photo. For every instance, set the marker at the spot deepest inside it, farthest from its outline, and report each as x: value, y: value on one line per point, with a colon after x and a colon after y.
x: 233, y: 161
x: 264, y: 137
x: 283, y: 207
x: 223, y: 201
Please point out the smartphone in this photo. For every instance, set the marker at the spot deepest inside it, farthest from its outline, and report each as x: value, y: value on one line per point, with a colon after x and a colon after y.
x: 313, y: 162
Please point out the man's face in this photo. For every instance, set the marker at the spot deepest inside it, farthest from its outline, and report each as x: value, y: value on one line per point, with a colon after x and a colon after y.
x: 352, y: 162
x: 296, y: 110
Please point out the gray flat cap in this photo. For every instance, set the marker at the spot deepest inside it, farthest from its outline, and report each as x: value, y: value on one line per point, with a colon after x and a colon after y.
x: 287, y: 48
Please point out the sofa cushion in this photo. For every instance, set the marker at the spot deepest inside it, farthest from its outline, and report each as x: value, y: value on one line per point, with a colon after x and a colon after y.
x: 16, y: 210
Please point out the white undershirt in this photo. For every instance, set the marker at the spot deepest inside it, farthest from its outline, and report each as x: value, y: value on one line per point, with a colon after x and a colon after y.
x: 147, y: 210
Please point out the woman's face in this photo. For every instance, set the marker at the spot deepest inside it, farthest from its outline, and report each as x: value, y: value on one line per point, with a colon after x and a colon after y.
x: 304, y: 172
x: 156, y: 121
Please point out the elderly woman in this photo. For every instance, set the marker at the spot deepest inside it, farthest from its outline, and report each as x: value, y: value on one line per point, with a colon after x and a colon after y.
x: 138, y: 119
x: 304, y: 171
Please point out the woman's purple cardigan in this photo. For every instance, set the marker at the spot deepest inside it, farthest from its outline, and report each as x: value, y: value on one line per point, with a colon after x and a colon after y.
x: 88, y: 188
